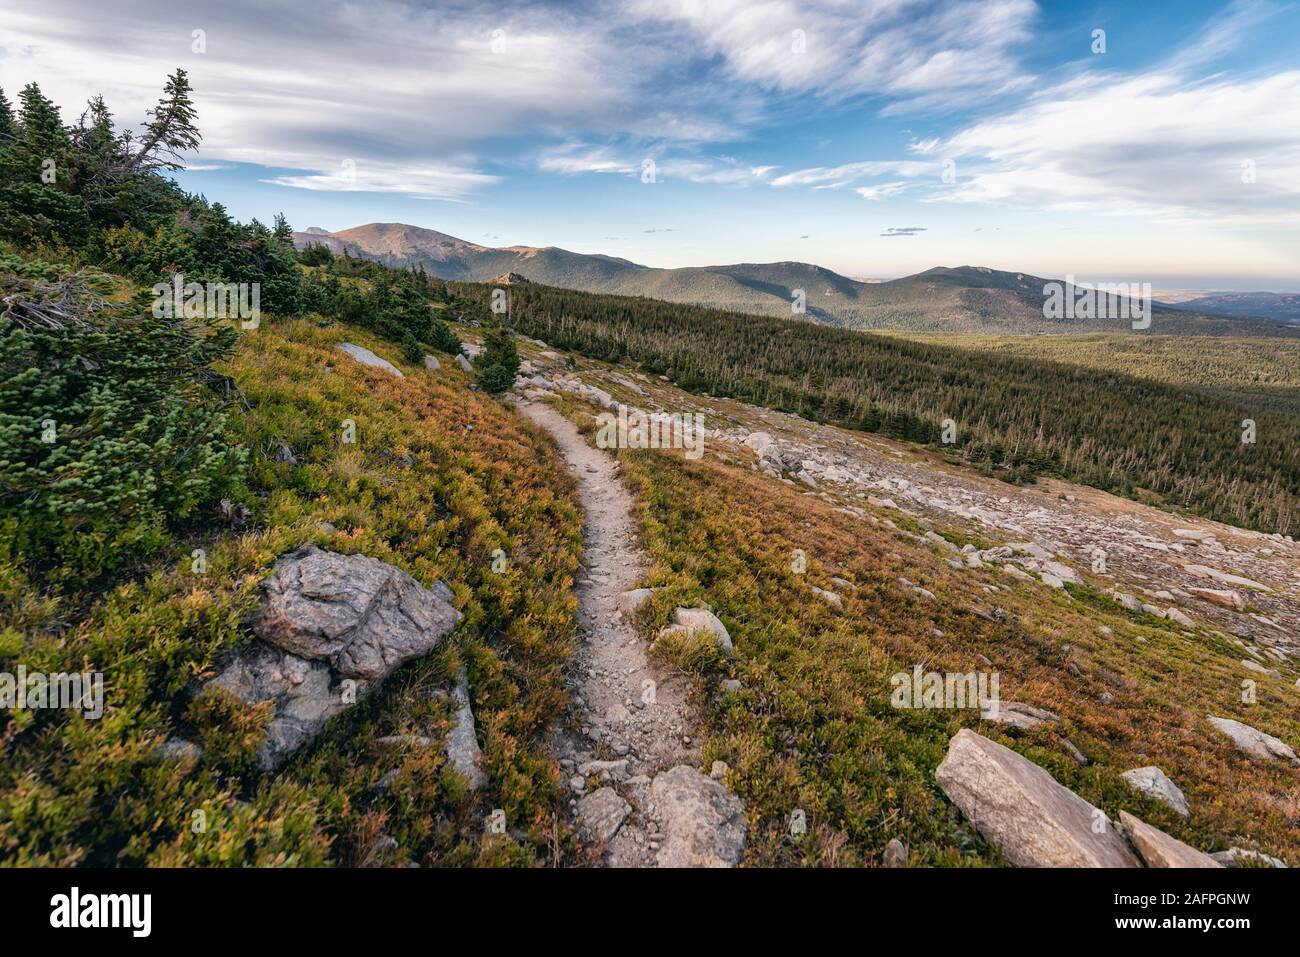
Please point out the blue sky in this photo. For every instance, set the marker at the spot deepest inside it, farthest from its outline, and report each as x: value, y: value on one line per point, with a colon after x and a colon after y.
x: 877, y: 137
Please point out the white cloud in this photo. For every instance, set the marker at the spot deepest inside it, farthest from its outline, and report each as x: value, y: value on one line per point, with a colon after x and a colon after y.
x: 404, y: 89
x: 1153, y: 144
x: 927, y: 54
x: 428, y: 182
x: 833, y: 177
x: 881, y: 191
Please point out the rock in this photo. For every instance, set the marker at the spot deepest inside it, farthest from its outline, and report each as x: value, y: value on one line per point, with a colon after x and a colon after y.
x: 325, y: 614
x: 1202, y: 571
x: 471, y: 349
x: 686, y: 620
x: 843, y: 583
x: 601, y: 813
x: 461, y: 748
x: 1256, y: 667
x: 941, y: 541
x: 368, y: 358
x: 1193, y: 534
x: 1240, y: 857
x: 702, y: 822
x: 629, y: 602
x: 718, y: 770
x: 1153, y: 782
x: 602, y: 769
x: 1127, y: 601
x: 829, y: 597
x: 895, y: 853
x: 404, y: 741
x: 760, y: 442
x: 431, y: 363
x: 1174, y: 615
x: 1031, y: 548
x: 1158, y: 849
x: 1015, y: 714
x: 1253, y: 741
x: 302, y: 694
x: 1051, y: 580
x: 1063, y: 572
x: 1019, y: 807
x: 362, y: 616
x: 1225, y: 597
x: 178, y: 749
x: 731, y: 685
x: 1074, y: 752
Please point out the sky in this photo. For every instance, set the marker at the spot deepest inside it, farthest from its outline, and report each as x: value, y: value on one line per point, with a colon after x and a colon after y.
x: 1108, y: 141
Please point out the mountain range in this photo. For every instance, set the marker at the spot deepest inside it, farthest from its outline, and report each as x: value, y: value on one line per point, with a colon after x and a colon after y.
x: 968, y: 299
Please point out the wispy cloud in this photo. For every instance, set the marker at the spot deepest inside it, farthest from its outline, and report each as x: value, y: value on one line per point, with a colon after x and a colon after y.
x: 881, y: 191
x: 1154, y: 144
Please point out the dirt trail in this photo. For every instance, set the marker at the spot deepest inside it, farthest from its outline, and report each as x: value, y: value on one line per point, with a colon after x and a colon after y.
x: 623, y: 708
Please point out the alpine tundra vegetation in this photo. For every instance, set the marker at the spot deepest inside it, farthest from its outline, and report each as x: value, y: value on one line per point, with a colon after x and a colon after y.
x: 374, y: 547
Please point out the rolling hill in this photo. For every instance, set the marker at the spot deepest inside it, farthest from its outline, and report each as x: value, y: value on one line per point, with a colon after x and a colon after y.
x: 1276, y: 306
x: 967, y: 299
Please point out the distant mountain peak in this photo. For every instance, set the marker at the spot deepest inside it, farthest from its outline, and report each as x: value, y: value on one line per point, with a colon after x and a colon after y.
x: 972, y: 299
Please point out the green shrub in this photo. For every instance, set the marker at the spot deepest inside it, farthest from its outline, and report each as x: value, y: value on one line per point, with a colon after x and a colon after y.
x: 109, y: 431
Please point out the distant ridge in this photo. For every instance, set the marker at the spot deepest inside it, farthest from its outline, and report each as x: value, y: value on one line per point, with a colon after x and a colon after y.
x: 968, y: 299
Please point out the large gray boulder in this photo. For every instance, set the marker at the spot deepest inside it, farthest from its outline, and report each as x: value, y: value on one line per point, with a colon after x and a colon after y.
x: 1019, y: 807
x: 330, y: 626
x: 703, y: 823
x: 1158, y: 849
x: 1253, y: 741
x: 362, y: 616
x: 1153, y: 782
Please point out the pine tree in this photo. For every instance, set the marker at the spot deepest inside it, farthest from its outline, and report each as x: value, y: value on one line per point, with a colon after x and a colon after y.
x: 171, y: 131
x: 283, y: 231
x: 6, y: 119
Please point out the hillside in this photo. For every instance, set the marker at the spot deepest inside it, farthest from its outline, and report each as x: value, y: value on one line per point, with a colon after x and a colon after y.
x: 369, y: 576
x: 967, y: 299
x: 1278, y: 307
x: 1016, y: 417
x: 835, y: 559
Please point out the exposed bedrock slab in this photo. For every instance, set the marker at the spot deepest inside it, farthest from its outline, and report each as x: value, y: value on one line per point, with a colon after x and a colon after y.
x: 1019, y: 807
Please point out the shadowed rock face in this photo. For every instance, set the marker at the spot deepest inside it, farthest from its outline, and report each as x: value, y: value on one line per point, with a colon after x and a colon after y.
x: 330, y: 626
x: 1020, y: 808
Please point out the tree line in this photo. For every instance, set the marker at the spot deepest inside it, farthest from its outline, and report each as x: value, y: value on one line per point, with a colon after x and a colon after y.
x: 1014, y: 417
